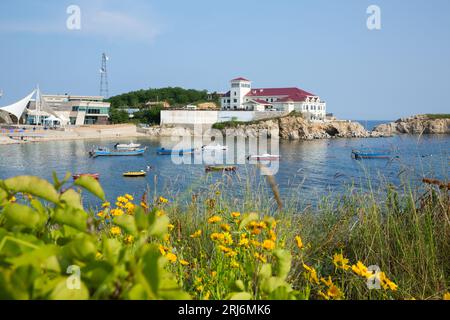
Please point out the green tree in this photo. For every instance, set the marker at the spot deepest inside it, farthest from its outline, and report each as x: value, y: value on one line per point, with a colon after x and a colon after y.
x: 118, y: 116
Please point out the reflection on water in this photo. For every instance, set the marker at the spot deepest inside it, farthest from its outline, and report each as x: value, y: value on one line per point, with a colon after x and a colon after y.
x: 308, y: 169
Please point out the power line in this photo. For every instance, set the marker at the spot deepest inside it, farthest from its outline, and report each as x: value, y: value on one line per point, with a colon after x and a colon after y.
x: 104, y: 86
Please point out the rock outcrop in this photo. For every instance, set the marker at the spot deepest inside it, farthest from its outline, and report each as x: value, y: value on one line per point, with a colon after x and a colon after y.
x: 289, y: 128
x: 420, y: 124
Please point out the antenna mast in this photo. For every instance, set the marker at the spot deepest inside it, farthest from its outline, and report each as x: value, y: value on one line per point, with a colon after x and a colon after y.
x: 104, y: 86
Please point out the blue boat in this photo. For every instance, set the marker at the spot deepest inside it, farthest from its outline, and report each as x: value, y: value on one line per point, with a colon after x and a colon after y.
x: 163, y: 151
x: 105, y: 152
x: 358, y: 154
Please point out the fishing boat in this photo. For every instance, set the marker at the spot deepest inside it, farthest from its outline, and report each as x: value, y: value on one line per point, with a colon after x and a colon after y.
x: 133, y: 174
x: 101, y: 152
x: 359, y: 154
x: 264, y: 157
x: 127, y: 146
x: 96, y: 176
x: 214, y: 148
x: 163, y: 151
x: 221, y: 168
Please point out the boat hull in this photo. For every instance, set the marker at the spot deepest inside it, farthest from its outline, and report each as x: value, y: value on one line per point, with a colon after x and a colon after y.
x: 98, y: 153
x: 165, y: 152
x: 220, y: 168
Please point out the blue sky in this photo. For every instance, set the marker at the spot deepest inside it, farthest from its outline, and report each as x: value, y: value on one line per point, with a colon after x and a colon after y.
x: 322, y: 46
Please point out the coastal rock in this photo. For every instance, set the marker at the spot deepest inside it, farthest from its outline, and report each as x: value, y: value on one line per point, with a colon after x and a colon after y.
x: 420, y: 124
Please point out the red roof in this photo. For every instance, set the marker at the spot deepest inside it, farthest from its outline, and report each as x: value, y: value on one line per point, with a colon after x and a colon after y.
x: 295, y: 94
x: 240, y: 79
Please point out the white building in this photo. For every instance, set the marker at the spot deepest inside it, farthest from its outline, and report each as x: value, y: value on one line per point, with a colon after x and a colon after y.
x: 243, y: 97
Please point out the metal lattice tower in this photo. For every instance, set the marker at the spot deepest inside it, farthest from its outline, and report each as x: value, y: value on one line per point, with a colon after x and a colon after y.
x: 104, y: 86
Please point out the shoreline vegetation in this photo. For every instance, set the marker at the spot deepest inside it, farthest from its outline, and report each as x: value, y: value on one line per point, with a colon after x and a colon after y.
x: 358, y: 246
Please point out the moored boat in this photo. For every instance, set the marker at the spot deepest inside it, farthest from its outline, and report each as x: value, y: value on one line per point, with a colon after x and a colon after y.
x: 127, y: 146
x: 357, y: 154
x: 221, y: 168
x: 96, y: 176
x: 214, y: 148
x: 264, y: 157
x: 163, y: 151
x: 99, y: 152
x: 132, y: 174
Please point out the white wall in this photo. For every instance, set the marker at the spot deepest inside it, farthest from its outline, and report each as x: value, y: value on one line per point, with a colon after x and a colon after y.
x: 237, y: 115
x: 188, y: 117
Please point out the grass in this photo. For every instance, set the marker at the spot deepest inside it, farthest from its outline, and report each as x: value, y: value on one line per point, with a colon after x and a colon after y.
x: 407, y: 235
x: 438, y: 116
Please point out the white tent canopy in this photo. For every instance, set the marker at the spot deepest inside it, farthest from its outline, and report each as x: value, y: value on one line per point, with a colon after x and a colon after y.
x: 19, y: 107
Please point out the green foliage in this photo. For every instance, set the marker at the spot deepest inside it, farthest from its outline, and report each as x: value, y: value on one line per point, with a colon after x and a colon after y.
x: 118, y: 116
x: 438, y: 116
x: 47, y: 239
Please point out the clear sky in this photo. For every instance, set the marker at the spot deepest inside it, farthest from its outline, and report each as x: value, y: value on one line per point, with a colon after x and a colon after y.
x: 322, y: 46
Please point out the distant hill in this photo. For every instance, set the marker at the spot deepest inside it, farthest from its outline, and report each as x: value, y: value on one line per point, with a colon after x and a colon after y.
x: 174, y: 96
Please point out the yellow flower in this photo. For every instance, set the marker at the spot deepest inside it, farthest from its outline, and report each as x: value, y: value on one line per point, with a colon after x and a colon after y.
x: 101, y: 214
x: 217, y: 236
x: 447, y: 296
x: 299, y: 242
x: 163, y: 250
x: 234, y: 264
x: 244, y: 242
x: 122, y: 200
x: 160, y: 213
x: 213, y: 274
x: 340, y: 262
x: 272, y: 235
x: 235, y: 214
x: 225, y: 249
x: 361, y: 270
x: 171, y: 257
x: 225, y: 227
x: 196, y: 234
x: 199, y: 288
x: 227, y: 238
x: 260, y: 257
x: 328, y: 282
x: 106, y: 205
x: 334, y: 292
x: 163, y: 200
x: 323, y: 295
x: 129, y: 239
x: 144, y: 205
x: 130, y: 207
x: 166, y: 238
x: 116, y: 231
x: 129, y: 197
x: 117, y: 212
x: 13, y: 199
x: 386, y: 283
x: 312, y: 274
x: 214, y: 219
x: 184, y: 263
x: 268, y: 245
x: 98, y: 255
x: 207, y: 295
x: 255, y: 243
x: 171, y: 227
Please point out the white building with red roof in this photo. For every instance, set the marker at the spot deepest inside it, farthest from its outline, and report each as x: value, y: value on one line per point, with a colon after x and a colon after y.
x: 245, y: 98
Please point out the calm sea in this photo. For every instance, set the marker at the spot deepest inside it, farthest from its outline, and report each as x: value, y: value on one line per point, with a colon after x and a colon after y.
x: 307, y: 170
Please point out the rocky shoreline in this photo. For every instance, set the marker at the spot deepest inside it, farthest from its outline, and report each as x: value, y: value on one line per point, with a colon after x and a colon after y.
x: 420, y: 124
x: 289, y: 128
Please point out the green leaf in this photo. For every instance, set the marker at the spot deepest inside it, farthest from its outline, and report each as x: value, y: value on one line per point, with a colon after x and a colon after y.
x: 240, y: 296
x: 239, y: 285
x: 63, y: 292
x: 266, y: 271
x: 283, y: 263
x: 153, y: 268
x: 32, y: 185
x: 3, y: 197
x: 111, y: 250
x: 82, y: 249
x: 141, y: 218
x: 72, y: 199
x: 127, y: 223
x: 137, y: 292
x: 72, y: 217
x: 43, y: 257
x: 91, y: 185
x: 159, y: 226
x: 17, y: 214
x: 247, y: 219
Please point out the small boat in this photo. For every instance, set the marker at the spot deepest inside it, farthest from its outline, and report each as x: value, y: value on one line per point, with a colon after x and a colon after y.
x: 356, y: 154
x: 99, y: 152
x: 133, y: 174
x: 221, y: 168
x: 163, y: 151
x: 214, y: 148
x: 264, y: 157
x: 96, y: 176
x: 127, y: 146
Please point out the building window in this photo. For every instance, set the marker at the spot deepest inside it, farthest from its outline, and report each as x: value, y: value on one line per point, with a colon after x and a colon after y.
x: 235, y: 100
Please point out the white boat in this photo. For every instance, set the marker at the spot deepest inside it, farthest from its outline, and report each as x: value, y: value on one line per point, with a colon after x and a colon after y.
x: 214, y: 148
x: 266, y: 156
x: 127, y: 146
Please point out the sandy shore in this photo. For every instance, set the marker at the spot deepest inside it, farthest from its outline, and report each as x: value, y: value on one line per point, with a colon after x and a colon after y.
x: 73, y: 133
